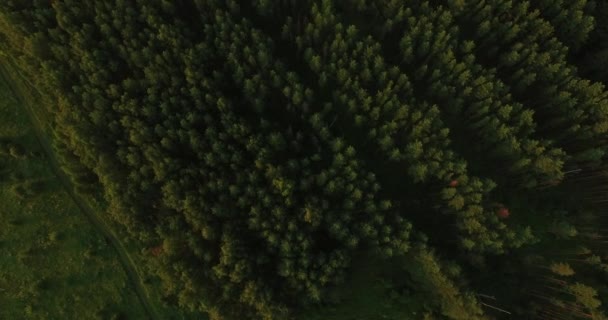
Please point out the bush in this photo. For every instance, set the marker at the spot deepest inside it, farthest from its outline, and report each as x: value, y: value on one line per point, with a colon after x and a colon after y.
x: 17, y: 151
x: 5, y: 147
x: 29, y: 188
x: 53, y: 236
x: 20, y: 191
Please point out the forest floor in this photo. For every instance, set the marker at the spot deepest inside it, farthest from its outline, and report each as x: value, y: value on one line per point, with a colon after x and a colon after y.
x: 53, y: 264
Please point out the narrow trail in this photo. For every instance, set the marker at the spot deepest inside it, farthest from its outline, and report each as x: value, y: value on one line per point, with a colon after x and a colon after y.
x: 123, y: 255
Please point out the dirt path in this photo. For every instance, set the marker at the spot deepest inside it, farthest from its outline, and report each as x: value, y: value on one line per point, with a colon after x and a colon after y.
x: 6, y: 72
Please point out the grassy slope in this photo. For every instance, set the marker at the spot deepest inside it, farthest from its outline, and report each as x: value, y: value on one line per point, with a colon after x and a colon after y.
x: 139, y: 260
x: 53, y: 264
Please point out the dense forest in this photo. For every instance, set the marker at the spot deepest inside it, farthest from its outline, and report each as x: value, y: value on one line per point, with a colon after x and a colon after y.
x: 265, y: 150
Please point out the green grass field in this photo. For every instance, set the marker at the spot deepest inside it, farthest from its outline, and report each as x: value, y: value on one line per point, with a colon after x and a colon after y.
x: 93, y: 259
x: 53, y: 263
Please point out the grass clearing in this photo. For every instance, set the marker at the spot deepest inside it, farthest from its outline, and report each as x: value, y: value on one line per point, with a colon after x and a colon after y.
x: 368, y: 293
x: 142, y: 262
x: 53, y: 263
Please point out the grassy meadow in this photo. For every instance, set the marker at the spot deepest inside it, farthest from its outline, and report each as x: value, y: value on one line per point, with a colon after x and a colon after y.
x: 53, y: 262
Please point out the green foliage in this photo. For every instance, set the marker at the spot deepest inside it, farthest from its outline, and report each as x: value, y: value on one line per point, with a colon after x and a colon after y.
x: 562, y: 269
x: 563, y: 229
x: 433, y: 279
x: 585, y: 295
x: 572, y: 20
x: 595, y: 53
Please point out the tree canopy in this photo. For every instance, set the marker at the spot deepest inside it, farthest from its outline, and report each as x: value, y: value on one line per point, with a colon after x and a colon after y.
x: 263, y: 144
